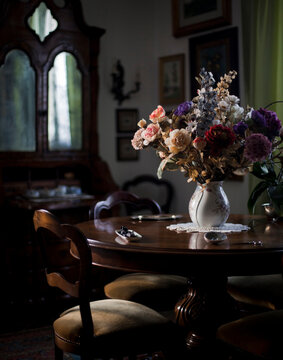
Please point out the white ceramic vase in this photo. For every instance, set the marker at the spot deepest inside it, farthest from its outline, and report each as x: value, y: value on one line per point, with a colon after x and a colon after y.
x: 209, y: 205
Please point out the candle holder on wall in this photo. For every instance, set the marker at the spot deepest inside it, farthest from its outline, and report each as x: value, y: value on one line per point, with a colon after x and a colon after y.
x: 118, y: 84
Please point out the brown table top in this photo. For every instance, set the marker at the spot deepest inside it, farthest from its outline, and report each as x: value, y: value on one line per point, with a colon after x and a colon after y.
x: 162, y: 250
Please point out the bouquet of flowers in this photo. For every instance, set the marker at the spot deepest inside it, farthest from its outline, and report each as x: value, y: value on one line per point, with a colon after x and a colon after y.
x: 212, y: 136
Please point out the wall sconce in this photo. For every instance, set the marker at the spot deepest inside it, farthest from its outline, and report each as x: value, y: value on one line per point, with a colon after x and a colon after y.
x: 118, y: 83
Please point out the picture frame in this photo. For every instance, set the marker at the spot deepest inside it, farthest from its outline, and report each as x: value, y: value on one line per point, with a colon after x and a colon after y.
x: 125, y: 151
x: 171, y: 79
x: 126, y: 120
x: 217, y: 52
x: 193, y: 16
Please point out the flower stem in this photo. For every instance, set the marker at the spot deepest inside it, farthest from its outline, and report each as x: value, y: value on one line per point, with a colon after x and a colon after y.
x: 274, y: 102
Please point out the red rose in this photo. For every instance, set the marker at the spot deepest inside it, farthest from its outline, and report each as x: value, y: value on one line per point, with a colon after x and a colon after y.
x: 219, y: 137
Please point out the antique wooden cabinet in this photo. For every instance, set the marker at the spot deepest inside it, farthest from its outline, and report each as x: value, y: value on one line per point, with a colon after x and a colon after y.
x: 48, y: 130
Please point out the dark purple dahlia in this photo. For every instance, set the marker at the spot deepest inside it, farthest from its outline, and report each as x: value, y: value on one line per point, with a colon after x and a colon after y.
x: 240, y: 128
x: 257, y: 147
x: 258, y: 118
x: 272, y: 123
x: 183, y: 108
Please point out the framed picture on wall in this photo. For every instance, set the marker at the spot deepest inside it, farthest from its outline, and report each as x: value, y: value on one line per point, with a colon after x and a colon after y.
x: 171, y: 79
x: 192, y: 16
x: 125, y: 151
x: 217, y: 52
x: 126, y: 120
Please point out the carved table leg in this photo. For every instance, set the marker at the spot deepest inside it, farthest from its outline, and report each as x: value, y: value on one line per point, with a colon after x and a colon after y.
x: 203, y: 308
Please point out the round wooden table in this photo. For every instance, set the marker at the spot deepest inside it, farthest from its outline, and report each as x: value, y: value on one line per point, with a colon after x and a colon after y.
x: 207, y: 266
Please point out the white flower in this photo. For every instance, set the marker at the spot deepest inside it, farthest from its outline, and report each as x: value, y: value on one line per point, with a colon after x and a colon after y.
x: 178, y: 140
x: 232, y: 99
x: 191, y: 126
x: 236, y: 112
x: 223, y: 105
x: 249, y: 114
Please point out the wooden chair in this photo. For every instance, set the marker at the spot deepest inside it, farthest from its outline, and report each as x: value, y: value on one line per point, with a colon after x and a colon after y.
x: 258, y: 291
x: 105, y: 328
x: 158, y: 291
x: 143, y: 184
x: 109, y: 206
x: 257, y: 336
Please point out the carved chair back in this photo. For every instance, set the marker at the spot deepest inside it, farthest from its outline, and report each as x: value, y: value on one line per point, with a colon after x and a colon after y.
x: 131, y: 201
x: 48, y: 229
x: 162, y: 190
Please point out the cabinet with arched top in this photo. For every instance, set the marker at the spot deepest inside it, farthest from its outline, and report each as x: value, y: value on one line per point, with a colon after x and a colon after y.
x: 49, y: 88
x: 48, y: 116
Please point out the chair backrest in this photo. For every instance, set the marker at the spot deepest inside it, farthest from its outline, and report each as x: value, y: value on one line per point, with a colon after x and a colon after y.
x: 132, y: 202
x: 159, y: 189
x: 48, y: 229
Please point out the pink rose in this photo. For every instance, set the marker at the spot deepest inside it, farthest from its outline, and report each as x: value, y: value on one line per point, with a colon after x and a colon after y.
x: 137, y: 141
x: 199, y: 143
x: 152, y: 132
x: 158, y: 114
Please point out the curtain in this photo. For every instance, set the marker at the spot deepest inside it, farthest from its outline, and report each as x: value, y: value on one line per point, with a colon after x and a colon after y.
x: 262, y: 30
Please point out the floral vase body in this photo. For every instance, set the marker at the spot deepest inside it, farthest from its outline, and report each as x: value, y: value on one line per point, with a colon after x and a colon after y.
x: 209, y: 205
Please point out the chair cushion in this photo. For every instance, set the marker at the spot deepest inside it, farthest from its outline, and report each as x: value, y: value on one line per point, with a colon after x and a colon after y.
x: 157, y: 291
x: 259, y: 334
x: 259, y: 290
x: 118, y: 324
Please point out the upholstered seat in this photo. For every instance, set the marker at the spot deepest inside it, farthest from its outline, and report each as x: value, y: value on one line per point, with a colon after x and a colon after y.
x: 155, y: 290
x: 260, y: 290
x: 121, y: 324
x: 158, y: 291
x: 104, y: 328
x: 259, y: 335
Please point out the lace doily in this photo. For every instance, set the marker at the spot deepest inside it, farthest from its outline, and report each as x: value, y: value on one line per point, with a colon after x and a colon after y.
x: 190, y: 227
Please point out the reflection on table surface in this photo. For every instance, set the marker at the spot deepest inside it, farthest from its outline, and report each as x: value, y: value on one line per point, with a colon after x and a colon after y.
x: 263, y: 235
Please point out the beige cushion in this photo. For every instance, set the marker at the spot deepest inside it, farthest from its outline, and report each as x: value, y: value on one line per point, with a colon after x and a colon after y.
x: 117, y: 324
x: 259, y: 334
x: 158, y: 291
x: 259, y: 290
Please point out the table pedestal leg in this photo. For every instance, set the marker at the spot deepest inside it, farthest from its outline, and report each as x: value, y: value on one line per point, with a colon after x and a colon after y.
x: 203, y: 308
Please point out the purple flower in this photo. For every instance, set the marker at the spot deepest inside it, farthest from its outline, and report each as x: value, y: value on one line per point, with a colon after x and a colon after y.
x: 258, y: 118
x: 272, y: 123
x: 183, y: 108
x: 240, y: 128
x: 257, y: 147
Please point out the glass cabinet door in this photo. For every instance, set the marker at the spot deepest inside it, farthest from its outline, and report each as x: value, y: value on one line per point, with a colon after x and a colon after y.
x: 17, y: 103
x: 64, y: 104
x: 48, y: 83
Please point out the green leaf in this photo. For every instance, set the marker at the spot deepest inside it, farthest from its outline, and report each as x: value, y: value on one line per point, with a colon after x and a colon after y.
x: 257, y: 191
x: 166, y: 164
x: 160, y: 168
x: 264, y: 172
